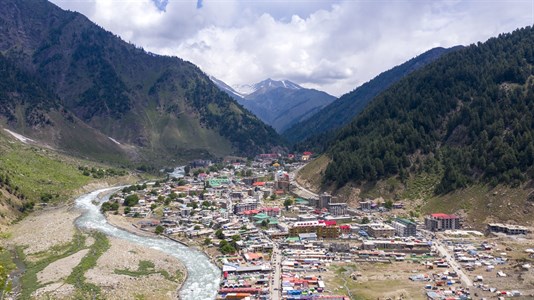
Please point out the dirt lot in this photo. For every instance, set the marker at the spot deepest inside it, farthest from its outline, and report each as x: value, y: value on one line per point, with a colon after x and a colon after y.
x: 375, y: 280
x: 517, y: 278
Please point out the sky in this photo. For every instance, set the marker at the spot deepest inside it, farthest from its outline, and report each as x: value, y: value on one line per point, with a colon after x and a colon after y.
x: 334, y: 45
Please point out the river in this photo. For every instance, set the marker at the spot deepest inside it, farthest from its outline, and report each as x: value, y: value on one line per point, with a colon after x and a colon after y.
x: 203, y: 276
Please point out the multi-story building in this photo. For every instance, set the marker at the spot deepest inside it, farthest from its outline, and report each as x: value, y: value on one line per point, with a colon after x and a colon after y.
x: 248, y: 204
x: 507, y: 228
x: 324, y: 199
x: 337, y: 209
x: 365, y: 205
x: 321, y: 229
x: 379, y: 230
x: 404, y: 227
x: 439, y: 221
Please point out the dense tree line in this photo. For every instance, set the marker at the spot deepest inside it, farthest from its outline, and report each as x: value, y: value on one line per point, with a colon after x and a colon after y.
x: 467, y: 116
x: 312, y: 132
x: 19, y: 88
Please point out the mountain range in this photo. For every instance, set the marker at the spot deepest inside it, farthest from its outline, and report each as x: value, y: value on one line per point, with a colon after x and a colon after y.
x: 279, y: 103
x: 78, y: 88
x: 464, y: 119
x: 341, y: 111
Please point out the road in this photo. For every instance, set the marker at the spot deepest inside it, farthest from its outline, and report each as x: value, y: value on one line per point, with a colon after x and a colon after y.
x: 277, y: 265
x: 300, y: 190
x: 452, y: 262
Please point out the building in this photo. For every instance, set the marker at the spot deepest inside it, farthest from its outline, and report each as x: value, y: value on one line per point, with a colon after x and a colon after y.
x: 507, y: 228
x: 320, y: 228
x: 185, y: 211
x: 378, y: 230
x: 218, y: 181
x: 404, y: 227
x: 365, y: 205
x: 271, y: 211
x: 248, y: 204
x: 337, y: 209
x: 312, y: 236
x: 395, y: 245
x: 324, y: 199
x: 439, y: 221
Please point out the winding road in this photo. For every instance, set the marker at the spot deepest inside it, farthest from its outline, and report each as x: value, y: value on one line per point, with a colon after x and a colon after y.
x: 299, y: 189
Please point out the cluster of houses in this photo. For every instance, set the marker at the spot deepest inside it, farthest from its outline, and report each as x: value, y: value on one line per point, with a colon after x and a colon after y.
x: 245, y: 200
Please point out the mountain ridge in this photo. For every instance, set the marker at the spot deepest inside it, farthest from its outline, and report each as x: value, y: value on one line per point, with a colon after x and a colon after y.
x: 149, y: 103
x: 461, y: 119
x: 278, y: 103
x: 342, y: 110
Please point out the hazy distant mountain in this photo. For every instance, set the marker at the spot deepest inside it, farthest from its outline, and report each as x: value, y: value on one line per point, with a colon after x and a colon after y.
x: 278, y: 103
x: 341, y: 111
x: 68, y: 74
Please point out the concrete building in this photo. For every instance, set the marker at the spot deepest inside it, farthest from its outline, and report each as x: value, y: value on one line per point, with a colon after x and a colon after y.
x: 185, y: 211
x: 439, y: 222
x: 324, y: 199
x: 404, y: 227
x: 337, y: 209
x: 507, y: 228
x: 249, y: 204
x: 379, y: 230
x: 365, y: 205
x: 321, y: 229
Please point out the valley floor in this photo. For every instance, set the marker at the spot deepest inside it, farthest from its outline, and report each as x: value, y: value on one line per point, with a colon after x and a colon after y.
x: 64, y: 263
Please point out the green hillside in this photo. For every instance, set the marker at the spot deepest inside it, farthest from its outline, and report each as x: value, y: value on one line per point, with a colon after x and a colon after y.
x: 128, y: 105
x: 31, y: 175
x: 313, y: 131
x: 467, y: 117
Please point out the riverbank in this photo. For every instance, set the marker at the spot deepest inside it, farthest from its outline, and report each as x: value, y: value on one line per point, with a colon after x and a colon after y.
x: 128, y: 224
x: 53, y: 248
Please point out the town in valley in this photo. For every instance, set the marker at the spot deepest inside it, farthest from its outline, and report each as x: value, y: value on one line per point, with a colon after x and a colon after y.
x: 274, y: 239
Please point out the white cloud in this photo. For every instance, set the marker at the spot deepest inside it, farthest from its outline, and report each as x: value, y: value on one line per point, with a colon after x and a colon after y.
x: 329, y: 45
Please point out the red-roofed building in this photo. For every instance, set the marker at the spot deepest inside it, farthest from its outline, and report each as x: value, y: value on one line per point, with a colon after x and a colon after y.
x: 328, y: 222
x: 306, y: 156
x: 250, y: 212
x: 271, y: 211
x: 344, y: 229
x: 258, y: 183
x: 440, y: 221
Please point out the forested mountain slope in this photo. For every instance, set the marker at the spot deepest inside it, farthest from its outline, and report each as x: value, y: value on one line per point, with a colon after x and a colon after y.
x: 149, y: 105
x: 467, y: 117
x: 341, y: 111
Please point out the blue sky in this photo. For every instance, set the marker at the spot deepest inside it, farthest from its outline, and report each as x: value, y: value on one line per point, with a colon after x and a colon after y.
x: 328, y: 45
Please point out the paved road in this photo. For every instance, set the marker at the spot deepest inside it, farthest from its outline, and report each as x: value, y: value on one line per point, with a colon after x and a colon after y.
x: 277, y: 265
x: 300, y: 190
x: 442, y: 249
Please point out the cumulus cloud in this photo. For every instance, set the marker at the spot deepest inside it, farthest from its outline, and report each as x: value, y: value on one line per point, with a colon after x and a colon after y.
x: 329, y: 45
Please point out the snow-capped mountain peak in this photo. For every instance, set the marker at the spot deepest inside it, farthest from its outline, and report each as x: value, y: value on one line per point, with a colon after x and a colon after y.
x: 272, y: 84
x: 244, y: 90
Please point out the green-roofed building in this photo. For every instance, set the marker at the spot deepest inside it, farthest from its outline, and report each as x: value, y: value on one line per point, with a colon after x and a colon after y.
x: 218, y: 181
x: 301, y: 201
x: 260, y: 217
x: 271, y: 222
x: 404, y: 227
x: 292, y: 239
